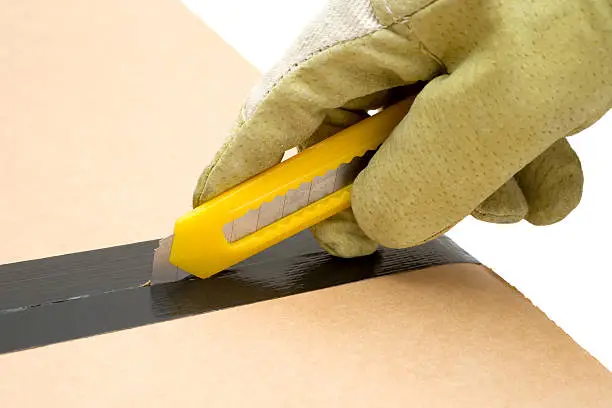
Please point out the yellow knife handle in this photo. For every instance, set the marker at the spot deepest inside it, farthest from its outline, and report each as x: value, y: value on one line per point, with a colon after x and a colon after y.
x: 199, y: 246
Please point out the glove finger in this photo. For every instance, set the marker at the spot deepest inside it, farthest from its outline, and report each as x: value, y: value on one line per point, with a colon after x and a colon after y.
x: 455, y: 148
x: 552, y: 184
x: 465, y: 136
x: 507, y: 205
x: 341, y: 236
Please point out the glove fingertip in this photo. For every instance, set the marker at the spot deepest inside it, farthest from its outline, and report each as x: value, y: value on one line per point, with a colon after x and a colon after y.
x: 552, y: 184
x: 341, y: 236
x: 559, y: 204
x: 506, y: 206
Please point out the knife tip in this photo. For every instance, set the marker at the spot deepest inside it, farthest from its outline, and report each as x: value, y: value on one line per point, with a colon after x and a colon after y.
x: 163, y: 271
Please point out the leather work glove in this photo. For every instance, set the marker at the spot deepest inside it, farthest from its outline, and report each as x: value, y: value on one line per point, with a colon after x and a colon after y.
x: 505, y: 82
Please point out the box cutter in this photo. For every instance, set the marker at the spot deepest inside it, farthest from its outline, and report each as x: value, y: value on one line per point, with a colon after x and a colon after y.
x: 274, y: 205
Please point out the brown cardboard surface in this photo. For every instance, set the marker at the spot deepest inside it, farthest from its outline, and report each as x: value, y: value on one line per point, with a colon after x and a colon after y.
x: 450, y: 336
x: 109, y: 111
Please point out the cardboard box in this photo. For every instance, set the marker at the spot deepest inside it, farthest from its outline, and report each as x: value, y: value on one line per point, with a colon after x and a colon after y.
x: 110, y: 110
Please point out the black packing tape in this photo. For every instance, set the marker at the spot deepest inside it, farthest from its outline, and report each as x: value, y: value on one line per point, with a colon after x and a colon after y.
x: 72, y: 296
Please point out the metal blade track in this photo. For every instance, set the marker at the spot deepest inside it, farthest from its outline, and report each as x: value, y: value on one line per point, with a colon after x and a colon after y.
x: 295, y: 199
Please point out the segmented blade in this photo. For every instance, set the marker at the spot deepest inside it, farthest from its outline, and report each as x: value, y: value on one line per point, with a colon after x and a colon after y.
x: 295, y: 199
x: 163, y: 271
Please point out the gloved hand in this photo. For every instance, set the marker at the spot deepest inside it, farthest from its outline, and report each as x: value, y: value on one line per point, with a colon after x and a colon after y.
x: 506, y: 82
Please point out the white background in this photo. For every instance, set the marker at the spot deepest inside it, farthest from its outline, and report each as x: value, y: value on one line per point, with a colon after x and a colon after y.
x: 564, y: 269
